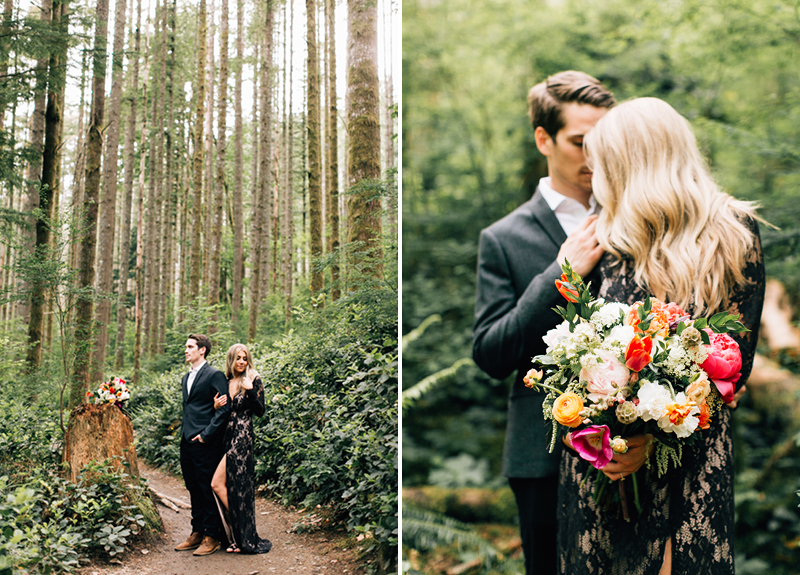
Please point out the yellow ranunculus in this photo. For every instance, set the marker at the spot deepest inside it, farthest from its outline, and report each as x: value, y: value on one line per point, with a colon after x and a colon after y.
x: 567, y: 409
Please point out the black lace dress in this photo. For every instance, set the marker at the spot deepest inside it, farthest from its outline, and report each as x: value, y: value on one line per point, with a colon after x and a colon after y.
x: 693, y: 504
x: 240, y: 469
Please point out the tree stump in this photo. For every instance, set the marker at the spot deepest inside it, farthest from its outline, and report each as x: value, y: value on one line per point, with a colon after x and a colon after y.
x: 96, y: 433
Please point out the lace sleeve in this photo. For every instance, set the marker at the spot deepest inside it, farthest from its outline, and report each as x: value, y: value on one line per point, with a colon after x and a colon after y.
x: 748, y: 300
x: 254, y: 398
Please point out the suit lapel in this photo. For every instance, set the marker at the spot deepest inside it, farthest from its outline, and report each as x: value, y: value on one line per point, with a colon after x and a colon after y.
x: 547, y: 219
x: 197, y: 378
x: 184, y: 382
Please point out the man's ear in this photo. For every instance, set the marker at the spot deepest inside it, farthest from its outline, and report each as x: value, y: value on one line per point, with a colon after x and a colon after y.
x: 543, y: 141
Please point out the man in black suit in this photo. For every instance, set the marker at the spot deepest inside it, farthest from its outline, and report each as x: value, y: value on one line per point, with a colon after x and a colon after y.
x: 519, y: 259
x: 202, y: 444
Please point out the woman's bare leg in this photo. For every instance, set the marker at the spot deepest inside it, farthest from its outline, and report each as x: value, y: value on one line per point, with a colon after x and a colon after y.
x: 666, y: 566
x: 218, y: 483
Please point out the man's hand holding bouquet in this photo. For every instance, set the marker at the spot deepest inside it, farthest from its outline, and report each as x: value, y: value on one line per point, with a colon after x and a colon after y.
x: 645, y: 377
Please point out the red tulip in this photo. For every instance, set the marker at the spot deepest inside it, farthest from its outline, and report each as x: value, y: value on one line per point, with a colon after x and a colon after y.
x: 638, y: 353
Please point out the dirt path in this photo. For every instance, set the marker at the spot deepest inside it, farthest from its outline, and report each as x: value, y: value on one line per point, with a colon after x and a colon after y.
x: 320, y: 553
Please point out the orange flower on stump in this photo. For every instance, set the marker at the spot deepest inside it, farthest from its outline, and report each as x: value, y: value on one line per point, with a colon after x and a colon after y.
x: 638, y: 353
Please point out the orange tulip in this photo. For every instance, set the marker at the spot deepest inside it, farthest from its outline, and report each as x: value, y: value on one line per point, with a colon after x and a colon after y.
x: 565, y: 288
x: 638, y: 353
x: 705, y: 416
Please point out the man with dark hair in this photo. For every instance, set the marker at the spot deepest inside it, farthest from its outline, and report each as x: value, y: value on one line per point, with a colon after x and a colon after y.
x: 202, y: 444
x: 519, y: 259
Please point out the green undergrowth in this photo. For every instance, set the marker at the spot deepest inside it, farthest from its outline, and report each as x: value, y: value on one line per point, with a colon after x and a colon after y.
x: 48, y: 524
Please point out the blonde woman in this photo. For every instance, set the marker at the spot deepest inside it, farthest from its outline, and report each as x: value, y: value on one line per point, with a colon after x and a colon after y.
x: 234, y: 479
x: 668, y: 231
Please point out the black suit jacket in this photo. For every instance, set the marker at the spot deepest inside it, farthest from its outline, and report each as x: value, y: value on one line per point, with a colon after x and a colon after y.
x: 199, y: 415
x: 516, y: 292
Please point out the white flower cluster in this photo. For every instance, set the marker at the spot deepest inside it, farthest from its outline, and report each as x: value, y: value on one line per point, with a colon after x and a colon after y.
x: 673, y: 414
x: 609, y: 315
x: 679, y: 362
x: 563, y: 344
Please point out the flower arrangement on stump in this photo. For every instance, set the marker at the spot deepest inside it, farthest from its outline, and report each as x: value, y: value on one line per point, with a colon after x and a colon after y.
x: 114, y: 391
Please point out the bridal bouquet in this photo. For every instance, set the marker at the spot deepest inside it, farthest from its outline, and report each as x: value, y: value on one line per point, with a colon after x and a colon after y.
x: 614, y: 370
x: 112, y: 391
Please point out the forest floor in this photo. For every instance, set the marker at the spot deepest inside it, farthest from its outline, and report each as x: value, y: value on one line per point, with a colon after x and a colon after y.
x: 322, y: 552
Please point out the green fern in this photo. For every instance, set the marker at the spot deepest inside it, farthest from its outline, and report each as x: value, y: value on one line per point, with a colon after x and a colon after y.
x: 425, y: 530
x: 416, y: 333
x: 412, y: 394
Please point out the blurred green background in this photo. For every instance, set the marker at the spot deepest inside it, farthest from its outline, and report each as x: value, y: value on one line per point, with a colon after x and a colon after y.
x: 732, y: 67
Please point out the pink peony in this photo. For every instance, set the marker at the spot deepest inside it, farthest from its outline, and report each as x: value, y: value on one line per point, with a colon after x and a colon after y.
x: 724, y: 363
x: 605, y: 378
x: 594, y: 445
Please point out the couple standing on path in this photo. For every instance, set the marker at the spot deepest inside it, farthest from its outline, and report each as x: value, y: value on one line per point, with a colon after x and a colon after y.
x: 217, y: 459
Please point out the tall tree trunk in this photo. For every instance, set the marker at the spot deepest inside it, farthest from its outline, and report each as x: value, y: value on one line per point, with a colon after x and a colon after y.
x: 261, y: 208
x: 140, y: 239
x: 363, y: 122
x: 80, y: 161
x: 238, y: 215
x: 216, y: 226
x: 288, y: 123
x: 168, y: 232
x: 208, y: 167
x: 195, y: 267
x: 86, y: 272
x: 108, y: 206
x: 255, y: 219
x: 333, y: 149
x: 152, y: 245
x: 125, y: 239
x: 313, y: 130
x: 51, y: 158
x: 33, y: 187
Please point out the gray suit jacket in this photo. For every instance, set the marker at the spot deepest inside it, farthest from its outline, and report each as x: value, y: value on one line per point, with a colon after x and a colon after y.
x: 516, y: 292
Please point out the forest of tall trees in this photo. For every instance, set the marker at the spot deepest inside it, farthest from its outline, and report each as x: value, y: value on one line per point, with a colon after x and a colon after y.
x: 165, y: 162
x: 170, y: 168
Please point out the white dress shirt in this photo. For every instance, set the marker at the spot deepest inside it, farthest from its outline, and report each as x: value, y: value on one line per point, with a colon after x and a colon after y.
x: 192, y: 375
x: 569, y: 213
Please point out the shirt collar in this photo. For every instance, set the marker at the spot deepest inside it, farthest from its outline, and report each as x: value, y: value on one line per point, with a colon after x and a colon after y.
x: 555, y: 199
x: 196, y: 369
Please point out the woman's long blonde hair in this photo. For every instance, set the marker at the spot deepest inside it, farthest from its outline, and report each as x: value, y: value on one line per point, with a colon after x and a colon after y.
x: 687, y: 239
x: 250, y: 372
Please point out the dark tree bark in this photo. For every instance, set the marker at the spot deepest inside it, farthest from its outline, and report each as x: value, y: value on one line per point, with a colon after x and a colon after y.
x: 51, y: 160
x: 125, y: 239
x: 195, y: 267
x: 238, y: 215
x: 215, y: 251
x: 86, y: 271
x: 33, y: 188
x: 108, y: 206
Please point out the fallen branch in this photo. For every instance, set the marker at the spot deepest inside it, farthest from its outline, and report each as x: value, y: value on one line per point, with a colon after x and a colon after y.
x: 170, y: 502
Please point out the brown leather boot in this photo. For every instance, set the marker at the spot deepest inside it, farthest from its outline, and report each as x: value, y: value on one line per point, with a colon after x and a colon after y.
x: 192, y: 542
x: 209, y: 546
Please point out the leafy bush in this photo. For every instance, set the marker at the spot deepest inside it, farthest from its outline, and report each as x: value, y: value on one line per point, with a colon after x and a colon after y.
x: 48, y: 525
